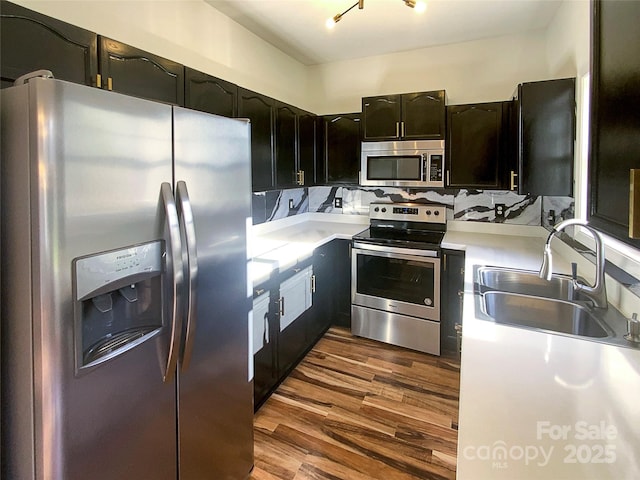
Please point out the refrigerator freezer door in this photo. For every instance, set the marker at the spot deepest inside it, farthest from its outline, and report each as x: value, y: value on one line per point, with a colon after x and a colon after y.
x: 92, y: 173
x: 215, y: 399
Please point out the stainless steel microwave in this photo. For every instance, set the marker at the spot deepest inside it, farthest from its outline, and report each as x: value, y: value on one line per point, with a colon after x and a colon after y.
x: 403, y: 164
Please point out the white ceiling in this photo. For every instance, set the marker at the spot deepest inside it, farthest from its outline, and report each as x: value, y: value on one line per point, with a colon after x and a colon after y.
x: 297, y: 27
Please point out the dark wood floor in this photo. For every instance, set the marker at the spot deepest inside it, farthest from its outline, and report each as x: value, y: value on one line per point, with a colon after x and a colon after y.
x: 356, y: 409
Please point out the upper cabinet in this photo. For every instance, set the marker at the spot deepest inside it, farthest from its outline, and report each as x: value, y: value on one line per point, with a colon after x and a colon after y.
x: 341, y: 148
x: 615, y: 123
x: 210, y: 94
x: 128, y: 70
x: 408, y: 116
x: 31, y: 41
x: 307, y: 152
x: 260, y: 110
x: 477, y: 145
x: 287, y: 173
x: 544, y: 125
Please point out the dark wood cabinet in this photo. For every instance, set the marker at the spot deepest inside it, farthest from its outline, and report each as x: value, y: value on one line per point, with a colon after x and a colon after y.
x: 543, y: 134
x: 286, y: 158
x: 342, y: 283
x: 31, y: 41
x: 477, y: 145
x: 452, y: 293
x: 307, y: 147
x: 408, y: 116
x: 615, y: 123
x: 210, y: 94
x: 323, y: 286
x: 265, y: 333
x: 260, y: 110
x: 341, y: 148
x: 126, y: 69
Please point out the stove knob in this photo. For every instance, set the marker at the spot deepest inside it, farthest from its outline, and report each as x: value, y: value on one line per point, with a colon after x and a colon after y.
x: 428, y: 212
x: 436, y: 213
x: 376, y: 209
x: 384, y: 209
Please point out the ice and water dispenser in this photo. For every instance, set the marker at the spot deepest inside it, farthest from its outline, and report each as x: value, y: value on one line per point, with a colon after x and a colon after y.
x: 118, y: 301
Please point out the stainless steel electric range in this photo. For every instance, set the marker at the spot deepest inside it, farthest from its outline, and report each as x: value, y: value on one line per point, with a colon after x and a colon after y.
x: 395, y: 276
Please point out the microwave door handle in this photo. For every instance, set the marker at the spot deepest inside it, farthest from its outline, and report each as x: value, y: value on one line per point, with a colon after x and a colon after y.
x: 425, y: 166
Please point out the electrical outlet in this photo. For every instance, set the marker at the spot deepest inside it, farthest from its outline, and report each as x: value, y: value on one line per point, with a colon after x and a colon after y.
x: 291, y: 204
x: 337, y: 202
x: 499, y: 210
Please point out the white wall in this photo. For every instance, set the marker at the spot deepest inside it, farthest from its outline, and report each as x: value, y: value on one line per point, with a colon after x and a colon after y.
x: 189, y: 32
x: 479, y: 71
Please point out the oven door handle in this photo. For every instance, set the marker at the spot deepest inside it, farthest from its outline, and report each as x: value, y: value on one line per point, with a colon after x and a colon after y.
x: 386, y: 251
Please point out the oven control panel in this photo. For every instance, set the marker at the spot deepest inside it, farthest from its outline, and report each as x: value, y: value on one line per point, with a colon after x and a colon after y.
x: 410, y: 212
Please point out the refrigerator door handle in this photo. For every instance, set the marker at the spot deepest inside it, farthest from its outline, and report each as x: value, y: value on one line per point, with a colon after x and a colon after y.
x: 175, y: 271
x: 187, y: 224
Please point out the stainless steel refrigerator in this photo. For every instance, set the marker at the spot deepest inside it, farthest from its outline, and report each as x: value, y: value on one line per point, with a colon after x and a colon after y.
x: 125, y: 299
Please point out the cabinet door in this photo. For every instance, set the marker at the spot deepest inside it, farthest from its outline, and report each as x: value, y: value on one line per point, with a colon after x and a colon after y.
x: 131, y: 71
x: 342, y: 283
x: 381, y: 117
x: 307, y: 147
x: 210, y: 94
x: 259, y: 109
x: 451, y: 300
x: 295, y: 299
x: 322, y: 288
x: 615, y: 123
x: 286, y: 148
x: 547, y: 121
x: 423, y: 116
x: 474, y: 146
x: 30, y: 41
x: 264, y: 372
x: 342, y: 148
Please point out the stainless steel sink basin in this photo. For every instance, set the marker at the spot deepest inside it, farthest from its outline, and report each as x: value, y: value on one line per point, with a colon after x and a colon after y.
x: 542, y: 313
x: 526, y: 282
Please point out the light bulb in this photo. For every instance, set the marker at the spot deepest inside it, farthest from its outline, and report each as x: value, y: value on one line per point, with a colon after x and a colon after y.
x: 330, y: 23
x: 420, y: 7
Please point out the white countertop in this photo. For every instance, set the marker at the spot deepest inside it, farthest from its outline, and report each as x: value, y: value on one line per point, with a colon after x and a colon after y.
x: 535, y: 405
x: 283, y: 243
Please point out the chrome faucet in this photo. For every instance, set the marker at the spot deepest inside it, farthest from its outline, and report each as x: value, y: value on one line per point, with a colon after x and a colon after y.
x: 597, y: 293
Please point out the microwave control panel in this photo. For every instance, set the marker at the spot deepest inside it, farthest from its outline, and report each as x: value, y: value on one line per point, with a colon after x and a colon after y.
x: 435, y: 168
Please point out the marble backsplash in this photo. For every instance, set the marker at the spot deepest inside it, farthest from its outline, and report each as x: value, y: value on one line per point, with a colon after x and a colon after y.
x: 466, y: 205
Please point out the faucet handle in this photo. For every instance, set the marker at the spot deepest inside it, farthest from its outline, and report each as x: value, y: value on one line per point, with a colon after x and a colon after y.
x: 574, y: 270
x: 634, y: 329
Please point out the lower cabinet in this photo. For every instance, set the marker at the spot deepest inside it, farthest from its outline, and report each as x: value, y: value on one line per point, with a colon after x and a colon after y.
x: 342, y: 283
x: 452, y: 293
x: 291, y: 312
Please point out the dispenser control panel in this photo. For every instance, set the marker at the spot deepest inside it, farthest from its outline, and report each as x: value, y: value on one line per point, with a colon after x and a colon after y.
x: 95, y: 272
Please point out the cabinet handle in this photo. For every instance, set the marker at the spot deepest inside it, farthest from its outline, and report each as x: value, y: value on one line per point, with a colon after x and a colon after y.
x: 514, y: 175
x: 281, y: 301
x: 109, y: 83
x: 301, y: 177
x: 458, y: 329
x: 402, y: 133
x: 448, y: 177
x: 444, y: 263
x: 634, y: 203
x: 397, y: 129
x: 265, y: 336
x: 98, y: 80
x: 313, y: 284
x: 259, y: 291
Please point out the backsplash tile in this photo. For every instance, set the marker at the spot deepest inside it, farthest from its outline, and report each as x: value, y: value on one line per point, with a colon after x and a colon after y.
x: 277, y: 205
x: 479, y: 206
x: 465, y: 205
x: 322, y: 199
x: 556, y: 209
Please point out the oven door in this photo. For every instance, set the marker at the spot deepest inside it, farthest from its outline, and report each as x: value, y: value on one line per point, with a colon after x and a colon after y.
x: 397, y: 280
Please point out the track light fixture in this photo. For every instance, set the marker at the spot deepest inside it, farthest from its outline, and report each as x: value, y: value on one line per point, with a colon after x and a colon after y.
x: 419, y: 7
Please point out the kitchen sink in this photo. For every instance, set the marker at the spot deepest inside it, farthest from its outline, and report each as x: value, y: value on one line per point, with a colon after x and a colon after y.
x: 542, y: 313
x: 525, y: 282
